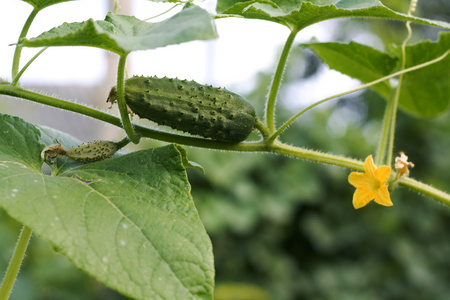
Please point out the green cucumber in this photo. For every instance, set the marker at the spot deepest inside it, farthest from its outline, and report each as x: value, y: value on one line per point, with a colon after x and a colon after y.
x: 191, y: 107
x: 89, y: 152
x: 93, y: 151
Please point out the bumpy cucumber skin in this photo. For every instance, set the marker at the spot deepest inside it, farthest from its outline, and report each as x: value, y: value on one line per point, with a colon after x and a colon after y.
x: 191, y: 107
x: 91, y: 152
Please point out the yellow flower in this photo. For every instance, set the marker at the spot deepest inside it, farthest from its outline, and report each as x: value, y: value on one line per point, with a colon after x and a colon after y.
x: 370, y: 185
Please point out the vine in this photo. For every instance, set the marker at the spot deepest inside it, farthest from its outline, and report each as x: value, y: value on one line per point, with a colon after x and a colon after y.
x: 373, y: 179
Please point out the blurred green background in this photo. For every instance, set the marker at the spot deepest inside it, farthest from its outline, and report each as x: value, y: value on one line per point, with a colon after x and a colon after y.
x: 284, y: 228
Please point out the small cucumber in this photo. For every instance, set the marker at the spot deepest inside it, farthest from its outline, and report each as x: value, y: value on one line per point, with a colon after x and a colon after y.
x: 93, y: 151
x: 191, y: 107
x: 89, y: 152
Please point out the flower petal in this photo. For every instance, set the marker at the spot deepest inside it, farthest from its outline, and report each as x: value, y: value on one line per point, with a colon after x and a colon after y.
x: 382, y: 196
x: 361, y: 197
x: 357, y: 179
x: 382, y: 174
x: 369, y: 166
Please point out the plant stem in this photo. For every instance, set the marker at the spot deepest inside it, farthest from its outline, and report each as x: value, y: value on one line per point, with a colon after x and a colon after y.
x: 14, y: 264
x: 18, y: 50
x: 390, y: 146
x: 16, y: 79
x: 382, y: 146
x: 121, y: 100
x: 270, y: 107
x: 262, y: 128
x: 317, y: 156
x: 425, y: 189
x: 123, y: 142
x: 19, y: 92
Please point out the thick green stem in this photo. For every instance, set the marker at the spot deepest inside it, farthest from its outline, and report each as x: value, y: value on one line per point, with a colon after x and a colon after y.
x: 127, y: 126
x: 425, y: 189
x: 18, y: 51
x: 16, y: 91
x: 14, y: 264
x: 270, y: 107
x: 317, y: 156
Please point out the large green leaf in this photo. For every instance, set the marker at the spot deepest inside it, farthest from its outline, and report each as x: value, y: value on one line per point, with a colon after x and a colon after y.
x: 426, y: 92
x: 123, y: 34
x: 129, y: 221
x: 358, y: 61
x: 298, y: 14
x: 40, y: 4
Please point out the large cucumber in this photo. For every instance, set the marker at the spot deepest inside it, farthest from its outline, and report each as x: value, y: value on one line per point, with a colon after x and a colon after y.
x: 191, y: 107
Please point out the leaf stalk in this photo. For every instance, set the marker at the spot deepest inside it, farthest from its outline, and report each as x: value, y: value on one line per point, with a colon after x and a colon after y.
x: 120, y: 85
x: 270, y: 107
x: 23, y: 34
x: 14, y: 264
x: 16, y: 79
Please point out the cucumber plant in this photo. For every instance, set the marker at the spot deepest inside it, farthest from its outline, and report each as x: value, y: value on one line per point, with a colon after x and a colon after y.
x: 130, y: 220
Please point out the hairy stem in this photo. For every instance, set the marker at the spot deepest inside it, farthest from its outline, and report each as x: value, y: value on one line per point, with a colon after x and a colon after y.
x: 270, y: 107
x: 127, y: 126
x: 18, y: 50
x: 317, y: 156
x: 261, y: 127
x: 425, y: 189
x: 19, y: 92
x: 14, y: 264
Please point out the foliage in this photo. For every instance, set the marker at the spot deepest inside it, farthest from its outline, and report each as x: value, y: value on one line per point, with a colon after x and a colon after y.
x: 130, y: 221
x: 367, y: 64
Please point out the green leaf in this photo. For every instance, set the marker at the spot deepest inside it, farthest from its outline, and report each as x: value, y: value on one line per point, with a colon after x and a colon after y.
x: 358, y: 61
x: 186, y: 162
x: 426, y: 92
x: 299, y: 14
x: 41, y: 4
x: 17, y: 150
x: 122, y: 34
x: 129, y: 221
